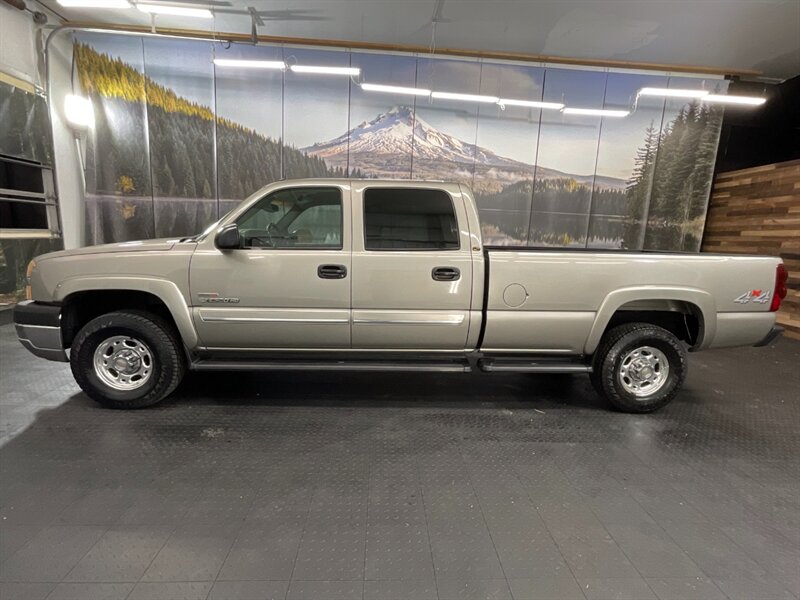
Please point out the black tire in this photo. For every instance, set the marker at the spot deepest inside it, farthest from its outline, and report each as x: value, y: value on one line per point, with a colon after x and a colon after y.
x: 613, y: 349
x: 168, y: 362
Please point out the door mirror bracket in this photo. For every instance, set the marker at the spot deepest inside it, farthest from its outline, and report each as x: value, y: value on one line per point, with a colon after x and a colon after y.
x: 228, y: 238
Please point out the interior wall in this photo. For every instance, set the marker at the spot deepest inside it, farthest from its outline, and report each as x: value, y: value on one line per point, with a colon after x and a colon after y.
x: 178, y: 140
x: 757, y: 211
x: 18, y: 55
x: 26, y: 146
x: 767, y: 135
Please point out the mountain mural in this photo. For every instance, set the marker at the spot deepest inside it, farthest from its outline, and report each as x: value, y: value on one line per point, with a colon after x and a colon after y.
x: 382, y: 146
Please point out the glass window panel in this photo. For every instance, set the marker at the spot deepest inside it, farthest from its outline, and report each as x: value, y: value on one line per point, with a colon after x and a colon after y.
x: 22, y: 215
x: 316, y: 116
x: 505, y: 160
x: 119, y: 200
x: 180, y: 114
x: 409, y: 219
x: 445, y: 130
x: 684, y: 168
x: 381, y: 138
x: 249, y: 108
x: 294, y: 218
x: 625, y: 159
x: 566, y: 157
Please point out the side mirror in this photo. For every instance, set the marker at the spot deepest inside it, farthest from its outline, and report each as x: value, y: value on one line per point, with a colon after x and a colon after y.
x: 228, y: 238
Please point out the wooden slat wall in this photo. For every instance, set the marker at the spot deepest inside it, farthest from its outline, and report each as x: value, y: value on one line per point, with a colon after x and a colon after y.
x: 757, y: 211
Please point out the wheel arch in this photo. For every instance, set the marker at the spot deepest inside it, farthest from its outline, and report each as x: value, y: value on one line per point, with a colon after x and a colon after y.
x: 689, y: 313
x: 86, y: 298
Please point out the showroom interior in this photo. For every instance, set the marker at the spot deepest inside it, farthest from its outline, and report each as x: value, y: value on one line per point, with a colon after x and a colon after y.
x: 618, y: 186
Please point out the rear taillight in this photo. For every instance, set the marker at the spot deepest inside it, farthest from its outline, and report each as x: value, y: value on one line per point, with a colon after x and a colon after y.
x: 781, y: 276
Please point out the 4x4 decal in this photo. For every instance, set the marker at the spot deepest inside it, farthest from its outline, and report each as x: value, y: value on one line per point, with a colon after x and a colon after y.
x: 758, y: 296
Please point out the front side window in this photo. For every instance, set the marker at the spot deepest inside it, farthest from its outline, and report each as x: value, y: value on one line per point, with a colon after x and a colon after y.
x: 294, y: 218
x: 409, y: 219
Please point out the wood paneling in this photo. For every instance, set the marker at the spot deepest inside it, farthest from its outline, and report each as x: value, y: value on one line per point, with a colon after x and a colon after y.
x: 757, y: 211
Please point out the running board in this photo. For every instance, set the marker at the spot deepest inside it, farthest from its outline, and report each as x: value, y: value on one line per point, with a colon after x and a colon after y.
x: 526, y: 365
x: 331, y: 365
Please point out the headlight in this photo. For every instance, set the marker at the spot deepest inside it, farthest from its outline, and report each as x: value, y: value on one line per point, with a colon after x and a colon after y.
x: 28, y: 273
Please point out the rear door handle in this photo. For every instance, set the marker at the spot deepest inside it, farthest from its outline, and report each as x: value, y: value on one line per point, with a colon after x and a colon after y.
x: 331, y: 271
x: 446, y: 274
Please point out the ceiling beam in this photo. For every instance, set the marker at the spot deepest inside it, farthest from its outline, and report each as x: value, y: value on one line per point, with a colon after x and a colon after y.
x: 352, y: 45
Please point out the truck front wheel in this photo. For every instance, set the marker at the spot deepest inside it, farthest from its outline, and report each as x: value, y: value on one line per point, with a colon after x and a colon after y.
x: 639, y: 367
x: 129, y: 359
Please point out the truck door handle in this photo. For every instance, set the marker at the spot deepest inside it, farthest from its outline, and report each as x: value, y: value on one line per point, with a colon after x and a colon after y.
x: 446, y: 274
x: 331, y: 271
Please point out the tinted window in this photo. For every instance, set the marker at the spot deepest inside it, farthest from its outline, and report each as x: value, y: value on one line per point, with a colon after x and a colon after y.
x: 22, y: 215
x: 294, y: 218
x: 409, y: 219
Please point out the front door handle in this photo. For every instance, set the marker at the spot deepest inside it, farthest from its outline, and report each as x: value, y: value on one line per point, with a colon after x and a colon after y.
x: 446, y: 274
x: 331, y: 271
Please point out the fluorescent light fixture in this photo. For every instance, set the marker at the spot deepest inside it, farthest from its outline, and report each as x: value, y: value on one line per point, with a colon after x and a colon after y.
x: 249, y: 64
x: 352, y: 71
x: 95, y: 3
x: 598, y: 112
x: 672, y: 92
x: 180, y: 11
x: 746, y: 100
x: 465, y: 97
x: 530, y: 103
x: 394, y: 89
x: 79, y: 111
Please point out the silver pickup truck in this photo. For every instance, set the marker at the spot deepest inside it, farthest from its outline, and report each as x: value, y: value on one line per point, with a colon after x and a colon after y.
x: 385, y: 276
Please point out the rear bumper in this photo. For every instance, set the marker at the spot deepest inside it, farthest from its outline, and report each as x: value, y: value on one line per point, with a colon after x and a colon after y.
x: 776, y: 331
x: 39, y: 329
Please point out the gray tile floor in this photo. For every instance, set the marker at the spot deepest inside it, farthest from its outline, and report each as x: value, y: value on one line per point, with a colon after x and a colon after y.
x: 403, y: 487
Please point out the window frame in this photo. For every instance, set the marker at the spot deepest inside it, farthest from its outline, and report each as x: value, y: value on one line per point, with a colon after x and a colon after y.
x: 457, y: 248
x: 318, y: 247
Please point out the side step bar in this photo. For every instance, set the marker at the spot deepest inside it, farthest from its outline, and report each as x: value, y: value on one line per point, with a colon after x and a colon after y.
x: 526, y: 365
x: 331, y: 365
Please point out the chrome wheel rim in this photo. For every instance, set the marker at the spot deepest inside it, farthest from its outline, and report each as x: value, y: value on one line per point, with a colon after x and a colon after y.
x: 643, y: 371
x: 123, y: 362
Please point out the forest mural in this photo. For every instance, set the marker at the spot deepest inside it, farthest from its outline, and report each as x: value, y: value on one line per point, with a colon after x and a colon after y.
x: 178, y: 141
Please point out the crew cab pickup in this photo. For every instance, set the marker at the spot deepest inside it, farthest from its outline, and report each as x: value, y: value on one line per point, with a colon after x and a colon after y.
x: 385, y: 275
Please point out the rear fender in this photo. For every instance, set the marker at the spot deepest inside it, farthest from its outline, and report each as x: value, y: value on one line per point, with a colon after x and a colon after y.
x: 618, y: 298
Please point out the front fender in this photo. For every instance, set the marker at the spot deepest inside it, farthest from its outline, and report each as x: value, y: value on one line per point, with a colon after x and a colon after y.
x: 618, y: 298
x: 164, y: 289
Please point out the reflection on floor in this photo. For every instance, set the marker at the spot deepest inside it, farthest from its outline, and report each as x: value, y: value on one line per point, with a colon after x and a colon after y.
x: 340, y: 486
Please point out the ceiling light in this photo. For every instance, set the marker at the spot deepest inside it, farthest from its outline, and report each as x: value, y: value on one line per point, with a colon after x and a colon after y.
x: 250, y: 64
x: 598, y: 112
x: 746, y: 100
x: 352, y: 71
x: 79, y: 111
x: 95, y: 3
x: 465, y: 97
x: 394, y: 89
x: 182, y: 11
x: 530, y: 103
x: 672, y: 92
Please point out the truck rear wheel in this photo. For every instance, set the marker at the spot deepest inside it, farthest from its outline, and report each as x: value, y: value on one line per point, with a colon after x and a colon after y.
x: 129, y: 359
x: 639, y: 367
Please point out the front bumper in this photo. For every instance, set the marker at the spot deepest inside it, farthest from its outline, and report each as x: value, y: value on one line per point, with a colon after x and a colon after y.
x: 770, y: 337
x: 39, y: 329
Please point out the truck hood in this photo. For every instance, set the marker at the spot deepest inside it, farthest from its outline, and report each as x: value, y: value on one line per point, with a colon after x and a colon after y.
x: 137, y: 246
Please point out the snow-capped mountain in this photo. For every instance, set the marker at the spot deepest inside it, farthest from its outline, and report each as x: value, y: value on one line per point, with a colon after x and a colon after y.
x: 383, y: 147
x: 395, y: 132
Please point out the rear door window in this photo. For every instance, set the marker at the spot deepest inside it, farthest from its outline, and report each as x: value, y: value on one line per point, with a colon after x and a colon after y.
x: 409, y: 219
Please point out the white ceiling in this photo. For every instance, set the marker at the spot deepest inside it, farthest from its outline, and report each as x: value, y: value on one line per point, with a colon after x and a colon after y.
x: 763, y: 35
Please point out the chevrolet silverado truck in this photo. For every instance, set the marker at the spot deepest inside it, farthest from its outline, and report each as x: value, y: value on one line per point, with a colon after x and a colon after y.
x: 375, y: 275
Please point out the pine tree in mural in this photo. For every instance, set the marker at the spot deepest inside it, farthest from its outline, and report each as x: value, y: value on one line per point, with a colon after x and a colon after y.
x: 181, y: 138
x: 671, y: 181
x: 638, y: 189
